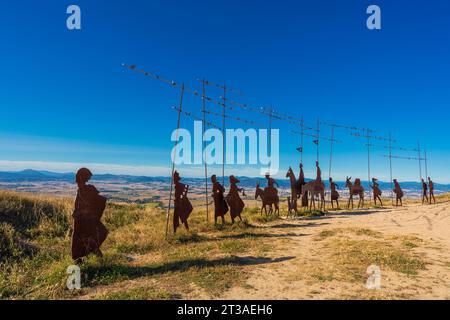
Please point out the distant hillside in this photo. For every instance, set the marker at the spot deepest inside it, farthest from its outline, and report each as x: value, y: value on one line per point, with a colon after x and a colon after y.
x: 43, y: 176
x: 248, y: 182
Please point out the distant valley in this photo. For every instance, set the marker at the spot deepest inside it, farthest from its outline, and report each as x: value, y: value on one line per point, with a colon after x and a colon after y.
x: 143, y: 189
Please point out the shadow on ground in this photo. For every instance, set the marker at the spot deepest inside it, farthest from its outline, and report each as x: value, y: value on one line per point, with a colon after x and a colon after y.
x: 292, y: 225
x: 352, y: 213
x: 104, y: 274
x: 261, y: 235
x: 329, y: 214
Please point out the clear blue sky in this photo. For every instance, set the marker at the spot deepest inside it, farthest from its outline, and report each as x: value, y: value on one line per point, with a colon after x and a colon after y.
x: 66, y: 100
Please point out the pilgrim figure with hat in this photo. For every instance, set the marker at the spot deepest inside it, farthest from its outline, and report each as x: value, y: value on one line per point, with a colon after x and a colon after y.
x: 234, y: 200
x: 398, y: 192
x: 88, y: 231
x: 334, y: 193
x: 376, y: 191
x: 220, y: 205
x: 424, y: 191
x: 270, y: 190
x: 431, y: 188
x: 183, y: 206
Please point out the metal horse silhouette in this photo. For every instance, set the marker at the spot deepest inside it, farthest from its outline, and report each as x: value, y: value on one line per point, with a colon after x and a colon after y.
x: 315, y: 188
x: 267, y: 200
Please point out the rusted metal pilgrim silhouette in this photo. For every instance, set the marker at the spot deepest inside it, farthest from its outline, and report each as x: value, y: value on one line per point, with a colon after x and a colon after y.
x: 295, y: 192
x: 272, y: 191
x: 268, y: 198
x: 318, y: 173
x: 220, y: 205
x: 431, y: 188
x: 183, y: 206
x: 334, y: 193
x: 315, y: 188
x: 301, y: 183
x: 376, y: 191
x: 88, y: 231
x: 398, y: 192
x: 424, y: 192
x: 355, y: 189
x: 234, y: 200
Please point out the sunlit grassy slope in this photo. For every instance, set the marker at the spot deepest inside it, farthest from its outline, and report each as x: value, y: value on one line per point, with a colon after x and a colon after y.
x: 139, y: 261
x: 35, y: 233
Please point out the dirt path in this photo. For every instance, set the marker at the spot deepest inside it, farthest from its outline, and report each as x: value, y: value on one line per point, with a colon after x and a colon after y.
x: 327, y: 258
x: 420, y: 231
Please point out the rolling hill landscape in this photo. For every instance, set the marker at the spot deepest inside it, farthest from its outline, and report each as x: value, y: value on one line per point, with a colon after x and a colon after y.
x: 128, y: 187
x: 306, y: 256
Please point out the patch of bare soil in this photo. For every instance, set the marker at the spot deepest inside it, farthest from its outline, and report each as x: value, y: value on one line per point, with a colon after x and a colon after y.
x: 331, y: 254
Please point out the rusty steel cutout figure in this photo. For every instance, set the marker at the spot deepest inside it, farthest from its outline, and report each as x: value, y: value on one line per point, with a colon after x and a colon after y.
x: 318, y: 173
x: 315, y: 189
x: 431, y: 188
x: 292, y: 200
x: 270, y: 189
x: 269, y: 196
x: 398, y: 193
x: 183, y: 206
x: 334, y: 193
x: 220, y: 205
x: 267, y: 200
x: 376, y: 191
x: 320, y: 186
x: 88, y: 231
x: 424, y: 192
x: 234, y: 200
x: 301, y: 184
x: 355, y: 189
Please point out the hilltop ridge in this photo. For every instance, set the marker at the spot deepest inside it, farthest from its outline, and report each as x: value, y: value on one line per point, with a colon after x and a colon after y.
x: 30, y: 175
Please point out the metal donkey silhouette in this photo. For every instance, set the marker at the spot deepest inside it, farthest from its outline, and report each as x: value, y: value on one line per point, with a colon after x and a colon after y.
x: 355, y: 189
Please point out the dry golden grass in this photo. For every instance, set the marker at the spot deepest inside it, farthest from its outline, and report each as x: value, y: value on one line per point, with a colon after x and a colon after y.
x: 141, y: 263
x: 210, y: 257
x: 349, y: 251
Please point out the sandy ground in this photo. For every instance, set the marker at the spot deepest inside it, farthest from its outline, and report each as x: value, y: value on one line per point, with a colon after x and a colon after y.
x: 306, y: 265
x: 295, y: 240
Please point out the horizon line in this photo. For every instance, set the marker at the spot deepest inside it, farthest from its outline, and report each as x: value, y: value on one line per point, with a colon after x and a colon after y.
x: 185, y: 177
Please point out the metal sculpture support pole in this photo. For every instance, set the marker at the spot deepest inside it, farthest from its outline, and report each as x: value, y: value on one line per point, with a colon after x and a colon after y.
x: 302, y: 134
x: 426, y: 164
x: 318, y: 138
x: 204, y: 150
x: 331, y: 150
x: 223, y: 133
x: 269, y: 148
x: 368, y: 161
x: 174, y: 155
x: 390, y: 168
x: 420, y: 163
